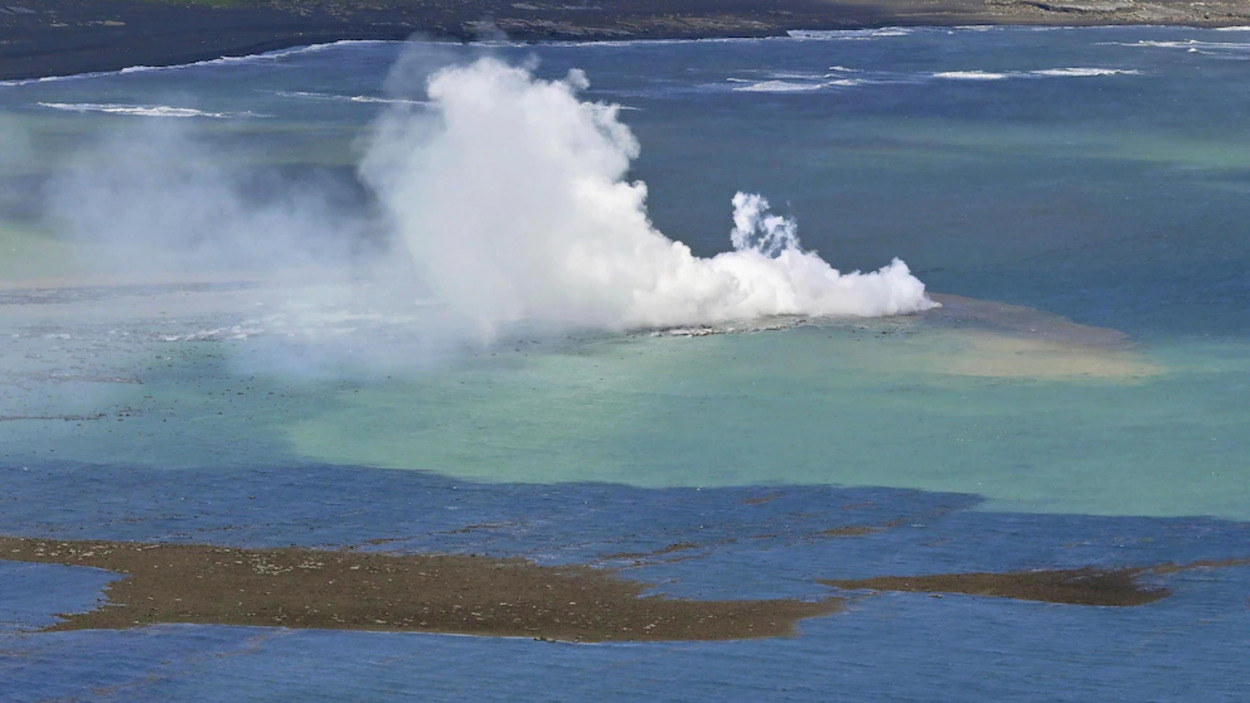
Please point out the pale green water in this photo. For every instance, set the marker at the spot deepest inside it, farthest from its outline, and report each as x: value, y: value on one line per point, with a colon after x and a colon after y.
x: 1156, y: 431
x: 813, y: 406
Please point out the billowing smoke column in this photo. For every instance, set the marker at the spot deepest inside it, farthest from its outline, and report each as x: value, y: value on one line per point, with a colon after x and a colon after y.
x: 515, y: 208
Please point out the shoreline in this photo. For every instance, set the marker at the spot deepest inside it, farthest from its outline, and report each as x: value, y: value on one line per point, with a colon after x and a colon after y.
x: 72, y: 37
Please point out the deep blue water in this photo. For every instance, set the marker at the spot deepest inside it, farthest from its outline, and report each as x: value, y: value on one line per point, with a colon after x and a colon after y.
x: 887, y: 647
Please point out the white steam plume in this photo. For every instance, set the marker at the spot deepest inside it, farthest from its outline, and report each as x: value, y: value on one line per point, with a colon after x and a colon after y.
x: 507, y: 200
x: 515, y: 208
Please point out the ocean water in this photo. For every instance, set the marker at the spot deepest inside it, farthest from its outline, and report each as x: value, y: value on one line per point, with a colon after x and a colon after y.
x: 219, y: 326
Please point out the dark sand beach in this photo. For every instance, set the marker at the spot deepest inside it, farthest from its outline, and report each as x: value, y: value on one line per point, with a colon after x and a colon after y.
x: 64, y: 37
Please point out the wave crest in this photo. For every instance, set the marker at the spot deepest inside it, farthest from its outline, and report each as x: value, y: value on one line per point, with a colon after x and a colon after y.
x: 144, y: 110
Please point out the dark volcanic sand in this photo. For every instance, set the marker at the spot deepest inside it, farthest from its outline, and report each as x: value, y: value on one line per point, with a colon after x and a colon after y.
x: 309, y: 588
x: 1084, y: 586
x: 344, y: 589
x: 60, y: 37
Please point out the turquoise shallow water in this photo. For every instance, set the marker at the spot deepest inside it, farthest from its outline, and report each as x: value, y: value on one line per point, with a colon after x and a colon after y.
x: 1147, y: 431
x: 1099, y: 174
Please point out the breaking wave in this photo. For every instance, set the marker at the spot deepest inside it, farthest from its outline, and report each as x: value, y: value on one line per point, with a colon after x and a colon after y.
x: 779, y: 87
x: 1227, y: 49
x: 1074, y: 72
x: 1085, y: 72
x: 971, y: 75
x: 145, y: 110
x: 850, y: 34
x: 843, y: 77
x: 219, y: 61
x: 333, y: 97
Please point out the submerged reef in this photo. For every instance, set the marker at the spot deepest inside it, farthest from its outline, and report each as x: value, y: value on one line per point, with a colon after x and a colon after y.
x: 354, y: 590
x: 1084, y: 586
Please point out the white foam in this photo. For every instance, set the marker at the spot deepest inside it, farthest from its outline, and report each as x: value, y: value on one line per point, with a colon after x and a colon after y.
x: 1190, y: 45
x: 147, y: 69
x: 515, y: 208
x: 795, y: 75
x: 1070, y: 72
x: 223, y: 60
x: 348, y: 98
x: 262, y: 57
x: 1085, y: 72
x: 54, y: 79
x: 624, y: 43
x: 308, y: 95
x: 779, y: 87
x: 850, y: 34
x: 798, y: 81
x: 972, y: 75
x: 216, y: 334
x: 317, y: 48
x: 145, y: 110
x: 385, y: 101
